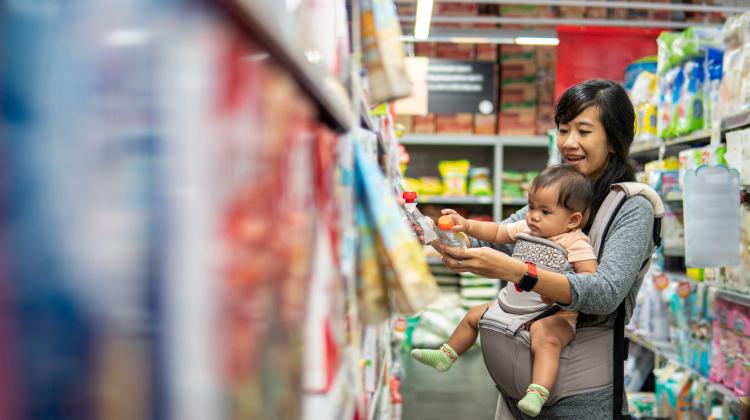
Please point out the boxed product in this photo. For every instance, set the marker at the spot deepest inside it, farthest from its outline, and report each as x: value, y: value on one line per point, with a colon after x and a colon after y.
x: 518, y: 90
x: 486, y: 52
x: 425, y: 49
x: 461, y: 123
x: 406, y: 121
x: 455, y: 51
x: 485, y: 124
x: 596, y: 13
x: 456, y: 9
x: 572, y: 12
x: 518, y: 68
x: 519, y: 120
x: 424, y: 124
x: 545, y: 118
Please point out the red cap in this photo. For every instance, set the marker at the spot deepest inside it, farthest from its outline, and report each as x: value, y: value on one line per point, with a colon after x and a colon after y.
x: 409, y: 196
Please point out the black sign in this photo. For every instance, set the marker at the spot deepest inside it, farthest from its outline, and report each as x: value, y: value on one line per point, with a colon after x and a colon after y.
x: 461, y: 86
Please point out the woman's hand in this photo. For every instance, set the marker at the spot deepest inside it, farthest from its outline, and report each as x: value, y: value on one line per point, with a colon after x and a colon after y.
x: 485, y: 262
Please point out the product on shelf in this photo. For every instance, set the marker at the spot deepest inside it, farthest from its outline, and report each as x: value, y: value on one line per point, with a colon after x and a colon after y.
x: 383, y: 52
x: 455, y: 174
x: 416, y: 217
x: 447, y: 236
x: 479, y: 182
x: 733, y: 95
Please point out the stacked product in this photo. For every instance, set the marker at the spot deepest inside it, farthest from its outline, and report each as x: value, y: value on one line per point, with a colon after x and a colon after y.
x: 477, y: 289
x: 458, y: 178
x: 518, y: 90
x: 516, y: 184
x: 735, y: 87
x: 689, y: 69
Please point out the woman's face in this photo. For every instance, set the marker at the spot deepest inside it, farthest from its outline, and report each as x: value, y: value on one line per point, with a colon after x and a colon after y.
x: 583, y: 143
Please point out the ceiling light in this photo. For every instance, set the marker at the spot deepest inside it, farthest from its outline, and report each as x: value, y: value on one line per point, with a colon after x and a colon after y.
x: 422, y: 23
x: 528, y: 40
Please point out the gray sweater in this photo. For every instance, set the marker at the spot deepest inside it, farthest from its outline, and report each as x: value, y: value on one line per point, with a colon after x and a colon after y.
x: 596, y: 296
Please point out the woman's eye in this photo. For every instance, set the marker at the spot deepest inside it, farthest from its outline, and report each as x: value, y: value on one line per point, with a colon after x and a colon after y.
x: 562, y: 131
x: 585, y: 133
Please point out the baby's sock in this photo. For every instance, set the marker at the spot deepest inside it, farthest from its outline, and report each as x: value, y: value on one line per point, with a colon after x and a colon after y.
x: 441, y: 360
x: 536, y: 396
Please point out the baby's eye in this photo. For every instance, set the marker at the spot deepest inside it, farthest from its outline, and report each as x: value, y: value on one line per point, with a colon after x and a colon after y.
x: 546, y: 212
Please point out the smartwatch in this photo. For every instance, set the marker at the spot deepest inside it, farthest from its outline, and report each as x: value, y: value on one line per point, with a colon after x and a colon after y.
x: 528, y: 281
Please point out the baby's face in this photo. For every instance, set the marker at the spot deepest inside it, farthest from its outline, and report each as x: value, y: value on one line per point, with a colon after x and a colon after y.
x: 545, y: 217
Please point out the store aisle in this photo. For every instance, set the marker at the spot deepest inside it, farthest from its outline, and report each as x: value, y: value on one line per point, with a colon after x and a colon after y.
x: 465, y: 391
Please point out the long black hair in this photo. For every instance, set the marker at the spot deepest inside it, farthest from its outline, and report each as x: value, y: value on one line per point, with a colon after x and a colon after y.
x: 617, y: 116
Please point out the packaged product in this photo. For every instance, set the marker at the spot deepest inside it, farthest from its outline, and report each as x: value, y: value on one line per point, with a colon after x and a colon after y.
x: 644, y: 99
x: 454, y: 174
x: 712, y: 87
x: 666, y: 102
x: 430, y: 185
x: 690, y: 103
x: 642, y: 404
x: 447, y: 236
x: 665, y: 59
x: 479, y: 183
x: 383, y: 52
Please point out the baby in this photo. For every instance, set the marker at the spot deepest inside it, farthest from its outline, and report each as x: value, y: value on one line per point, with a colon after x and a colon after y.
x: 559, y: 199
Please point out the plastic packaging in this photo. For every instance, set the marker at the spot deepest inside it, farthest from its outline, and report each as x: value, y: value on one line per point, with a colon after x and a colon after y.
x: 447, y: 236
x: 416, y: 217
x: 690, y: 116
x: 479, y: 184
x: 454, y: 173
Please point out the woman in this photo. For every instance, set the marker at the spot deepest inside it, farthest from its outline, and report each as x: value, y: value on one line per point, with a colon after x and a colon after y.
x: 595, y: 121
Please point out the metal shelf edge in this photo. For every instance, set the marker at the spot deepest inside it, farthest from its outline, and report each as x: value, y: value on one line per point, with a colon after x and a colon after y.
x: 449, y: 140
x: 254, y: 18
x: 735, y: 121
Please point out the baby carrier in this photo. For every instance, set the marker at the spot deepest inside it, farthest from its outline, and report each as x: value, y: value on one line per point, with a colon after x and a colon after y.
x: 584, y: 367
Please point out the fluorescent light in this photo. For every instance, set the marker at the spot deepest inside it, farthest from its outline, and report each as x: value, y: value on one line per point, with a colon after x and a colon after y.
x: 422, y: 23
x: 470, y: 40
x: 528, y: 40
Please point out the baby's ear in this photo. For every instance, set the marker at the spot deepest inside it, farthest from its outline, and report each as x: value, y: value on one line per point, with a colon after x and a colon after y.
x: 575, y: 220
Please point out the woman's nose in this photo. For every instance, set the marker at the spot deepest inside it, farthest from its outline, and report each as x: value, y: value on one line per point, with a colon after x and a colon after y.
x: 571, y: 142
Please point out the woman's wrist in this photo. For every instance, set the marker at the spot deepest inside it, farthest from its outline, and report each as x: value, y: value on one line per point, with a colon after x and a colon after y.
x: 518, y: 270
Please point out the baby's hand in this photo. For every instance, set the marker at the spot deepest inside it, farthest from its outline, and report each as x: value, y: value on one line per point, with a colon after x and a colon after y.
x: 460, y: 224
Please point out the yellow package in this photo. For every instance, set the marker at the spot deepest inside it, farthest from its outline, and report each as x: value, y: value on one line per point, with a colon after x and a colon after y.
x: 430, y: 185
x: 455, y: 174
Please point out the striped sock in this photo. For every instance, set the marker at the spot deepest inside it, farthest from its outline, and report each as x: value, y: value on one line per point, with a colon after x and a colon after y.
x: 532, y: 403
x: 441, y: 360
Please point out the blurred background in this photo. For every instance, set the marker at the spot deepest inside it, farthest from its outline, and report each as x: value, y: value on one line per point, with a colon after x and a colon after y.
x: 201, y: 209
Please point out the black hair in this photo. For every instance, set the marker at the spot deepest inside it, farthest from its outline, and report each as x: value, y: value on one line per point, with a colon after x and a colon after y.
x: 574, y: 190
x: 617, y: 116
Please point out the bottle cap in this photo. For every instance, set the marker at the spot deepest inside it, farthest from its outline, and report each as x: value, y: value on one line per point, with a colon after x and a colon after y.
x: 445, y: 222
x: 409, y: 196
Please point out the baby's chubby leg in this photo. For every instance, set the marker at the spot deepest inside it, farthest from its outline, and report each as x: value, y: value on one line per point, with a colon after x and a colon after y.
x: 460, y: 341
x: 548, y: 337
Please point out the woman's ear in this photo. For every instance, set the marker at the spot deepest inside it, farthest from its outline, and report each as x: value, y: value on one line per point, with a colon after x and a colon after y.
x: 574, y: 222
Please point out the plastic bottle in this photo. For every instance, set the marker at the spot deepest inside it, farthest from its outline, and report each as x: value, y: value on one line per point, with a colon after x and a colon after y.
x: 447, y: 236
x: 416, y: 217
x: 396, y: 401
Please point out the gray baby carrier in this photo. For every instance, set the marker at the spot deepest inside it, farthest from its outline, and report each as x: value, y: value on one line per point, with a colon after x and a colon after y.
x: 594, y: 358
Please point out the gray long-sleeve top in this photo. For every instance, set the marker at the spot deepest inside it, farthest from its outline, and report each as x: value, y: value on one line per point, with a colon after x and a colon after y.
x: 596, y: 296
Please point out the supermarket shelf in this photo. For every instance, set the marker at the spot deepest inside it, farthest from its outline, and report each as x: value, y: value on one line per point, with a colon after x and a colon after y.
x: 733, y: 296
x: 469, y: 200
x: 364, y: 111
x: 515, y: 201
x: 662, y: 350
x: 651, y: 148
x: 643, y: 147
x: 697, y: 137
x: 257, y: 19
x: 524, y: 141
x: 673, y: 196
x: 645, y: 342
x: 448, y: 140
x: 736, y: 121
x: 375, y: 401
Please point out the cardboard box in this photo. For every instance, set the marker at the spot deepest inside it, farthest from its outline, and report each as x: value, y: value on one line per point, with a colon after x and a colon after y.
x: 546, y: 57
x: 407, y: 121
x: 596, y: 13
x: 572, y: 12
x: 462, y: 123
x: 456, y: 51
x: 456, y: 9
x: 517, y: 51
x: 512, y: 92
x: 424, y: 124
x: 485, y: 124
x: 517, y: 68
x: 545, y: 118
x: 425, y: 49
x: 487, y: 52
x: 517, y: 120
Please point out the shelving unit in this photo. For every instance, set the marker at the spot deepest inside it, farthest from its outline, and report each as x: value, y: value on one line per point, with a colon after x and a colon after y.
x: 735, y: 122
x: 500, y: 144
x: 467, y: 200
x: 262, y: 23
x: 662, y: 350
x: 653, y: 149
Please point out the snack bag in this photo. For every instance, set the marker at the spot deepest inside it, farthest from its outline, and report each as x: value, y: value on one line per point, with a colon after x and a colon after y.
x: 479, y: 184
x: 454, y: 173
